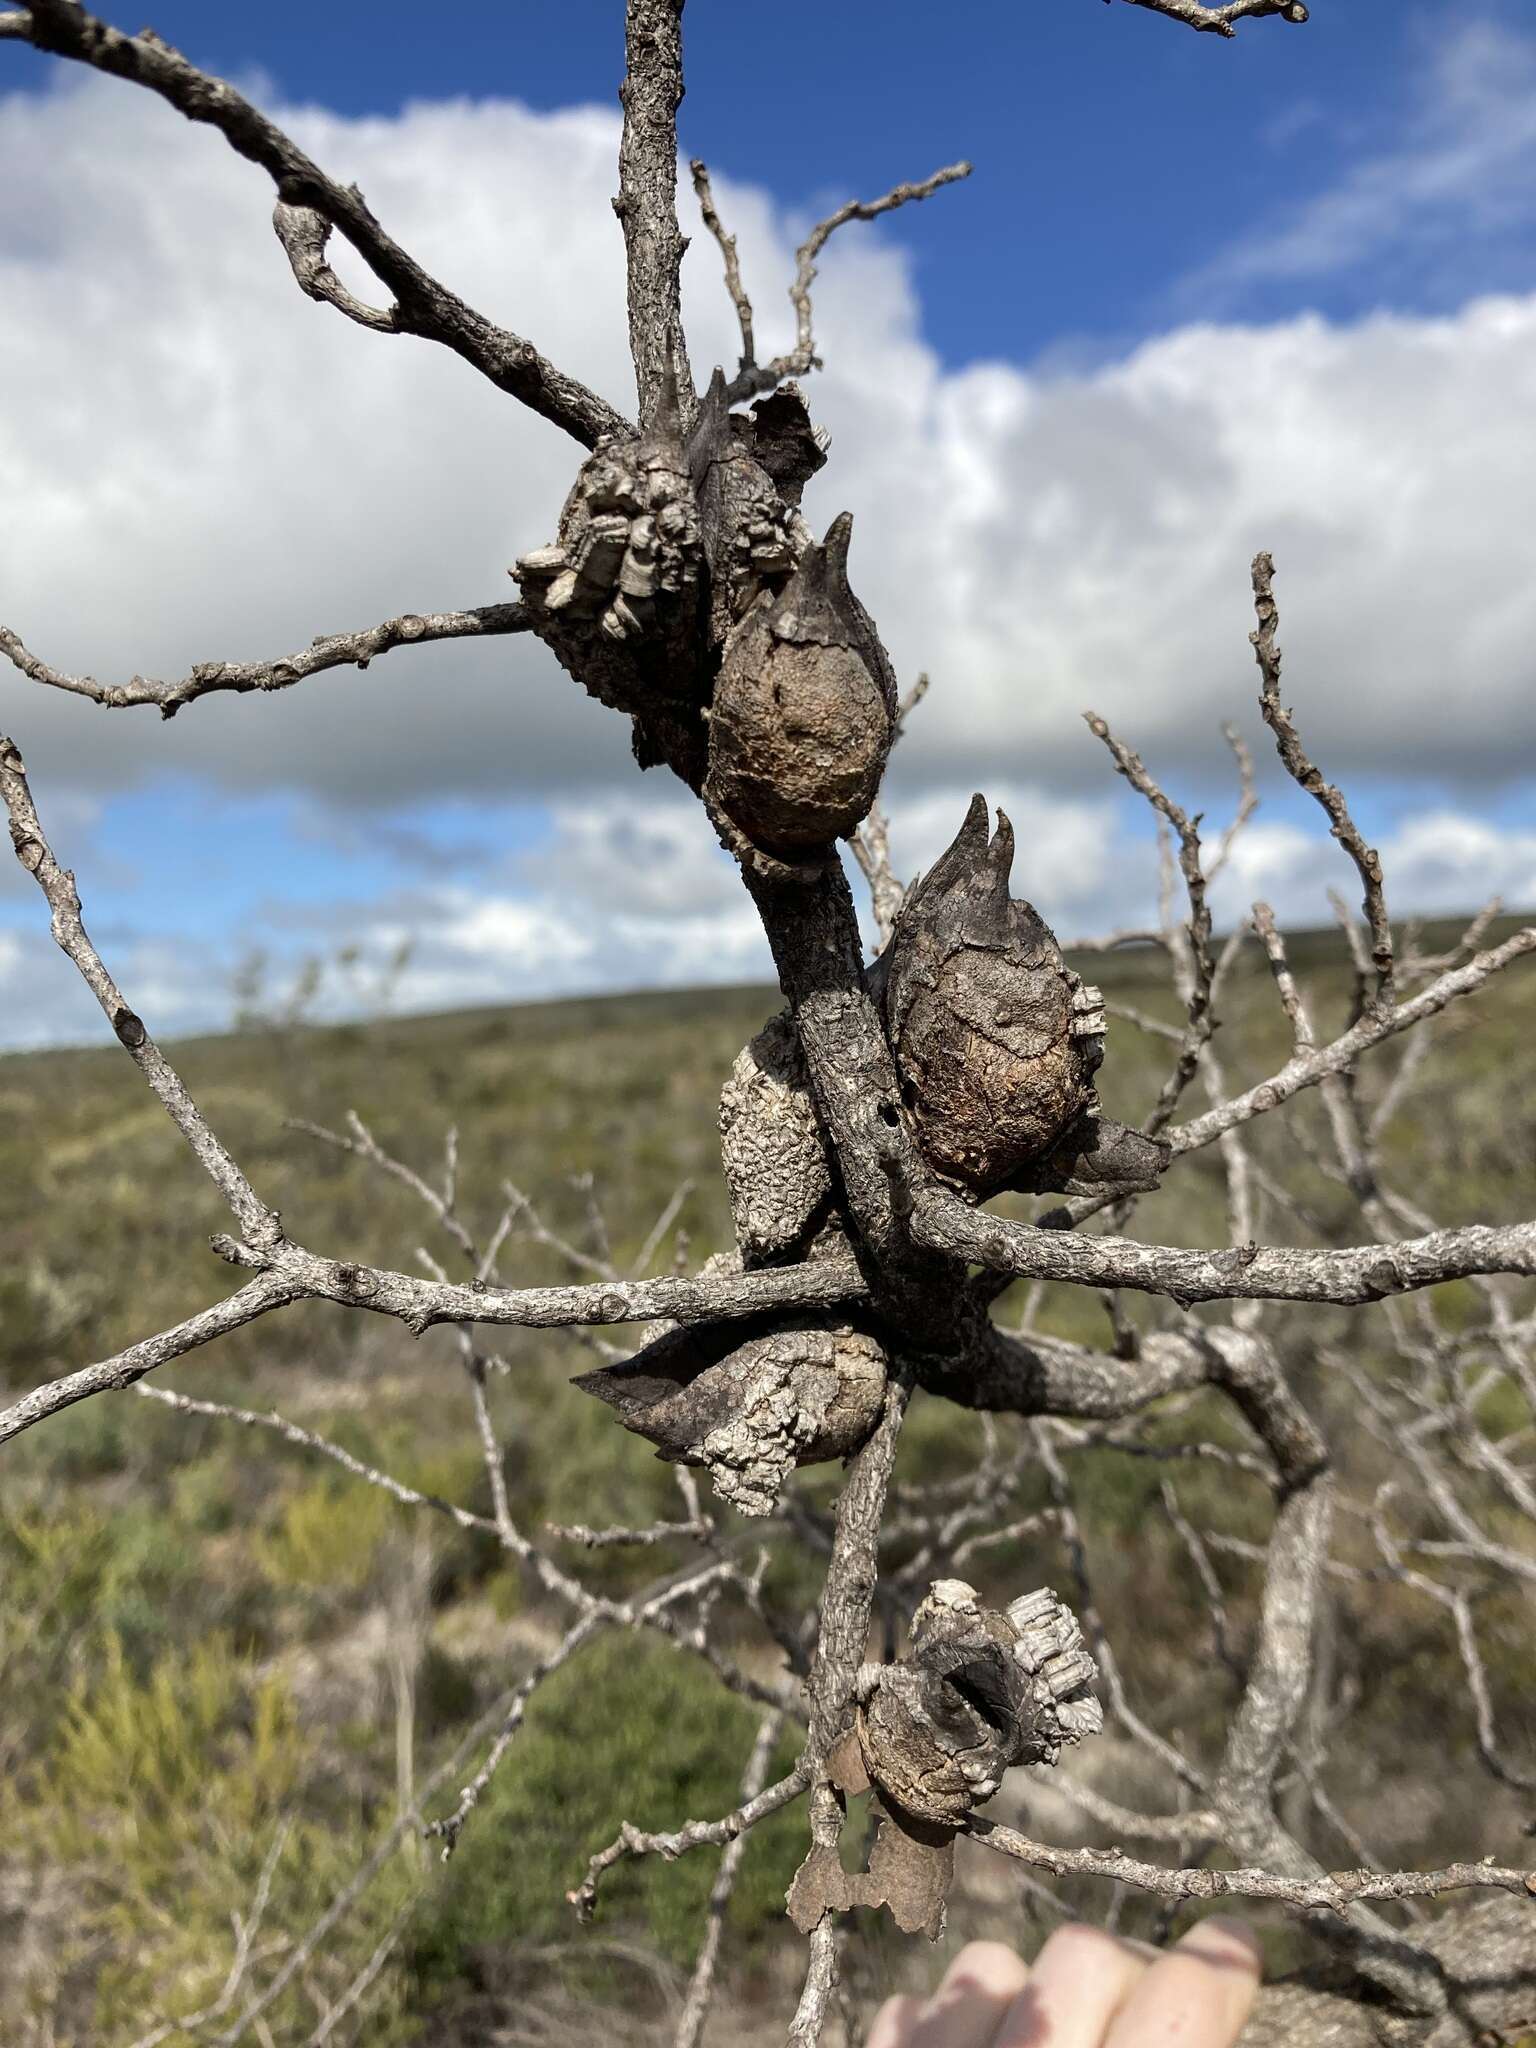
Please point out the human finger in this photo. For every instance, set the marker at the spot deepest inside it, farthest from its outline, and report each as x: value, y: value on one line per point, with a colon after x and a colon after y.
x: 1077, y: 1984
x: 1198, y: 1994
x: 976, y: 1991
x: 894, y: 2022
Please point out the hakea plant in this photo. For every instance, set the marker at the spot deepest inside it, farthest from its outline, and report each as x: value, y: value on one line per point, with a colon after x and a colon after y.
x: 863, y: 1130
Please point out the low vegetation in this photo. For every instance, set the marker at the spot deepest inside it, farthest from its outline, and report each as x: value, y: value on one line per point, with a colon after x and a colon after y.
x: 227, y: 1666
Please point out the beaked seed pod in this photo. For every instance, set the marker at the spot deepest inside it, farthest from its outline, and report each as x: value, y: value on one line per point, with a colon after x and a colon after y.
x: 995, y: 1037
x: 978, y: 1691
x: 752, y: 1413
x: 803, y: 710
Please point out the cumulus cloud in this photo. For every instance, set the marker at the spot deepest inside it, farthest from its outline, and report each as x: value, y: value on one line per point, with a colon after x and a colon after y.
x: 198, y: 462
x: 207, y: 464
x: 639, y: 895
x: 1440, y: 863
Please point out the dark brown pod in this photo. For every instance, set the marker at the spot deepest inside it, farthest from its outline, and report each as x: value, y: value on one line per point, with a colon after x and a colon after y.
x: 785, y: 442
x: 978, y: 1691
x: 803, y: 710
x: 996, y: 1039
x: 1096, y: 1155
x: 752, y: 1413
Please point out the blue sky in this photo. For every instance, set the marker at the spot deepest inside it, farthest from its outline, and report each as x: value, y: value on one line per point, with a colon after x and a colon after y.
x: 1115, y: 153
x: 1200, y: 296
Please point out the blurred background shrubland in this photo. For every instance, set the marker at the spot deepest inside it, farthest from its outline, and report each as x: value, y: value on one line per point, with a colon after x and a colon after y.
x: 225, y: 1662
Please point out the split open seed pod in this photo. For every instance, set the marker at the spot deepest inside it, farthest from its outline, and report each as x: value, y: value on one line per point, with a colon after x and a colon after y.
x: 629, y: 540
x: 978, y: 1691
x: 803, y: 710
x: 749, y: 1412
x: 996, y: 1039
x: 618, y: 594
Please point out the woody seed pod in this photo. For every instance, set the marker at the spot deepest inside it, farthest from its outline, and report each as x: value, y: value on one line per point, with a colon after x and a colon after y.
x: 803, y: 710
x: 995, y: 1037
x: 750, y: 1414
x: 978, y: 1691
x: 771, y: 1147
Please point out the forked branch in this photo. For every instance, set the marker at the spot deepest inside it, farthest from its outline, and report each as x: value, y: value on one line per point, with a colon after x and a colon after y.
x: 752, y: 377
x: 421, y: 306
x: 1222, y: 20
x: 1302, y: 770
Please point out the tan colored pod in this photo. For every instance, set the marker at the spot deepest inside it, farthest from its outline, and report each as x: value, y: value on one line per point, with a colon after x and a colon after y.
x: 803, y: 710
x: 776, y: 1165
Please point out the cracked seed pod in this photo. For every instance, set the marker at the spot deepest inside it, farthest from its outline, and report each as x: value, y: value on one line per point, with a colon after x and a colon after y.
x: 617, y: 596
x: 784, y: 441
x: 749, y: 1415
x: 803, y: 710
x: 996, y: 1039
x: 748, y: 502
x: 978, y: 1691
x: 771, y: 1147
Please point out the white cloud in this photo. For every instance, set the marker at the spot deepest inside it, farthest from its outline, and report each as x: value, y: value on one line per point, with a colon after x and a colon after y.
x: 650, y: 855
x: 512, y: 934
x: 207, y: 464
x: 210, y: 464
x: 563, y: 927
x: 1440, y: 862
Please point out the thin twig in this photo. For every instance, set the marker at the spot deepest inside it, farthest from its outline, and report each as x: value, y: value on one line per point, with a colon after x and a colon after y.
x: 752, y: 378
x: 1302, y: 771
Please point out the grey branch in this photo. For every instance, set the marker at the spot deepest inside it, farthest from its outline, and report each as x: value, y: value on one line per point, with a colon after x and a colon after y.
x: 422, y: 306
x: 1356, y: 1273
x: 306, y: 1439
x: 1304, y: 772
x: 304, y: 235
x: 693, y: 1834
x: 329, y: 650
x: 647, y: 203
x: 690, y: 2027
x: 259, y: 1223
x: 802, y: 358
x: 127, y: 1367
x: 1199, y: 970
x: 727, y: 243
x: 295, y: 1274
x: 1334, y: 1893
x: 872, y: 850
x: 1307, y: 1068
x: 1221, y: 20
